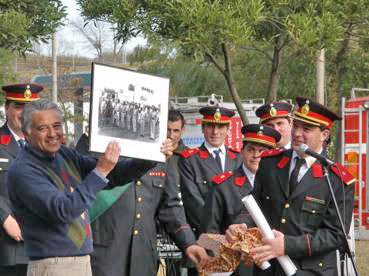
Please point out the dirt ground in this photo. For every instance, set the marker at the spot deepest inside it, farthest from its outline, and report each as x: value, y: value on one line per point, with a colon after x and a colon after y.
x: 362, y: 257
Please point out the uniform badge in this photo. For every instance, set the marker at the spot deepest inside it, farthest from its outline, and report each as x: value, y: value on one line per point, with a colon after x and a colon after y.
x: 306, y: 108
x: 27, y: 94
x: 273, y: 111
x: 217, y: 115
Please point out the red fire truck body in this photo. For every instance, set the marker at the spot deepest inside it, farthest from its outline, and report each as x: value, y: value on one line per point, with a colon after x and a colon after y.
x: 355, y: 146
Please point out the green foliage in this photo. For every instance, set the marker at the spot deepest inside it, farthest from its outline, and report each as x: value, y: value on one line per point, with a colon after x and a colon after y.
x: 24, y: 21
x: 6, y: 72
x: 196, y: 28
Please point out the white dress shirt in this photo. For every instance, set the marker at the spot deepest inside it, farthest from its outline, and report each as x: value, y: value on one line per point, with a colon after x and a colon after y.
x: 309, y: 160
x: 222, y: 153
x: 250, y: 175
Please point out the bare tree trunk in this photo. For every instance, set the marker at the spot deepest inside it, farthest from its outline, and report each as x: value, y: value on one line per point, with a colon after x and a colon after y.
x: 320, y: 76
x: 228, y: 75
x: 275, y: 71
x: 54, y: 69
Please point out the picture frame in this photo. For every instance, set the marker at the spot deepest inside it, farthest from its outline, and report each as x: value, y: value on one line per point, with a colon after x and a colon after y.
x: 129, y: 107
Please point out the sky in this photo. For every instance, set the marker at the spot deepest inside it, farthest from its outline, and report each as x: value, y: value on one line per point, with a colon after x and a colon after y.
x: 71, y: 42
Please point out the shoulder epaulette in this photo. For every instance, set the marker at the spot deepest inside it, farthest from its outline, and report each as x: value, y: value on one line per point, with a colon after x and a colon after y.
x: 273, y: 152
x: 5, y: 139
x: 189, y: 152
x: 220, y: 178
x: 343, y: 173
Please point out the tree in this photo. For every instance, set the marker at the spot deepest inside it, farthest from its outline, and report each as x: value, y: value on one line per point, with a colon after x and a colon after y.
x: 204, y: 30
x: 25, y: 21
x: 101, y: 36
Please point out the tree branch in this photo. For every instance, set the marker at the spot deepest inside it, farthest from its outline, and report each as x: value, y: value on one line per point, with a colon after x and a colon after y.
x: 214, y: 61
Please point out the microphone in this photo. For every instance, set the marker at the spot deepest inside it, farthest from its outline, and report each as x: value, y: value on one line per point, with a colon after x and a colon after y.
x: 324, y: 160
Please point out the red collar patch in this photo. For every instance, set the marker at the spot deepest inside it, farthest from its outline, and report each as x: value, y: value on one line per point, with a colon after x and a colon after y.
x: 317, y: 170
x: 220, y: 178
x: 231, y: 155
x: 239, y: 180
x: 283, y: 162
x: 5, y: 139
x: 203, y: 154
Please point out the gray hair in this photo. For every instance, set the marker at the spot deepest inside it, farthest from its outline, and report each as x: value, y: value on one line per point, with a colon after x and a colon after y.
x: 31, y: 108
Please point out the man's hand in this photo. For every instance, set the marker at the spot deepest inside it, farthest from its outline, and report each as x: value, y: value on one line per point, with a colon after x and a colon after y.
x: 167, y: 148
x: 232, y: 230
x: 271, y: 249
x: 12, y: 228
x: 197, y: 254
x: 109, y: 159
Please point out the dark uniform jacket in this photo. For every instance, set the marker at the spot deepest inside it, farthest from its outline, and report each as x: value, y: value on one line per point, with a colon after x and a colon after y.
x: 83, y: 144
x: 224, y: 207
x: 125, y: 241
x: 174, y: 162
x: 11, y: 251
x: 307, y: 216
x: 197, y: 168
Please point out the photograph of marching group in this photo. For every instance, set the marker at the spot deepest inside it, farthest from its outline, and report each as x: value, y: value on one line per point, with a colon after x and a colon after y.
x: 130, y: 107
x: 122, y: 118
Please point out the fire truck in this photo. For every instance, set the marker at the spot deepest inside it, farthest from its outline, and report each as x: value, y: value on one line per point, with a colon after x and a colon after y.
x: 355, y: 146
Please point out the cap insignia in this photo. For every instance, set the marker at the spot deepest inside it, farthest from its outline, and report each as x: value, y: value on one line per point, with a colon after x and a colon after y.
x: 273, y: 111
x: 305, y: 109
x: 217, y: 115
x: 260, y: 133
x: 27, y: 94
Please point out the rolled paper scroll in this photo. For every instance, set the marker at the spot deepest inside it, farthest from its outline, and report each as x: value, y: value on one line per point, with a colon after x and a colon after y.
x: 257, y: 215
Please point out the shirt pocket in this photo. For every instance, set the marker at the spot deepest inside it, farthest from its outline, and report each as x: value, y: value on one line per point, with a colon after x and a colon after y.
x: 312, y: 212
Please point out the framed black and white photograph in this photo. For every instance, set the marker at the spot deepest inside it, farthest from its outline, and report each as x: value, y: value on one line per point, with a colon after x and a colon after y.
x: 131, y: 108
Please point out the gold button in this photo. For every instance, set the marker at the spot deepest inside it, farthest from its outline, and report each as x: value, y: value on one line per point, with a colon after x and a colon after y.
x: 283, y: 221
x: 286, y: 206
x: 139, y: 199
x: 138, y: 183
x: 138, y: 216
x: 321, y: 264
x: 135, y: 232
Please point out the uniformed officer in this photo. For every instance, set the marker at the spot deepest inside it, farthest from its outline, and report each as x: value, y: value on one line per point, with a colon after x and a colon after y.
x: 223, y: 205
x: 277, y: 115
x: 124, y: 237
x: 199, y: 165
x: 13, y: 260
x: 295, y: 198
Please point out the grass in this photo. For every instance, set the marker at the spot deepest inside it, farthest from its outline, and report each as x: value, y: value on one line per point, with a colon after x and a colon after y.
x: 362, y: 257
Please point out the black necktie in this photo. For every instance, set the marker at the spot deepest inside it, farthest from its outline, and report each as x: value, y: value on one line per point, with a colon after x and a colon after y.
x: 295, y: 173
x: 21, y: 143
x: 217, y: 158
